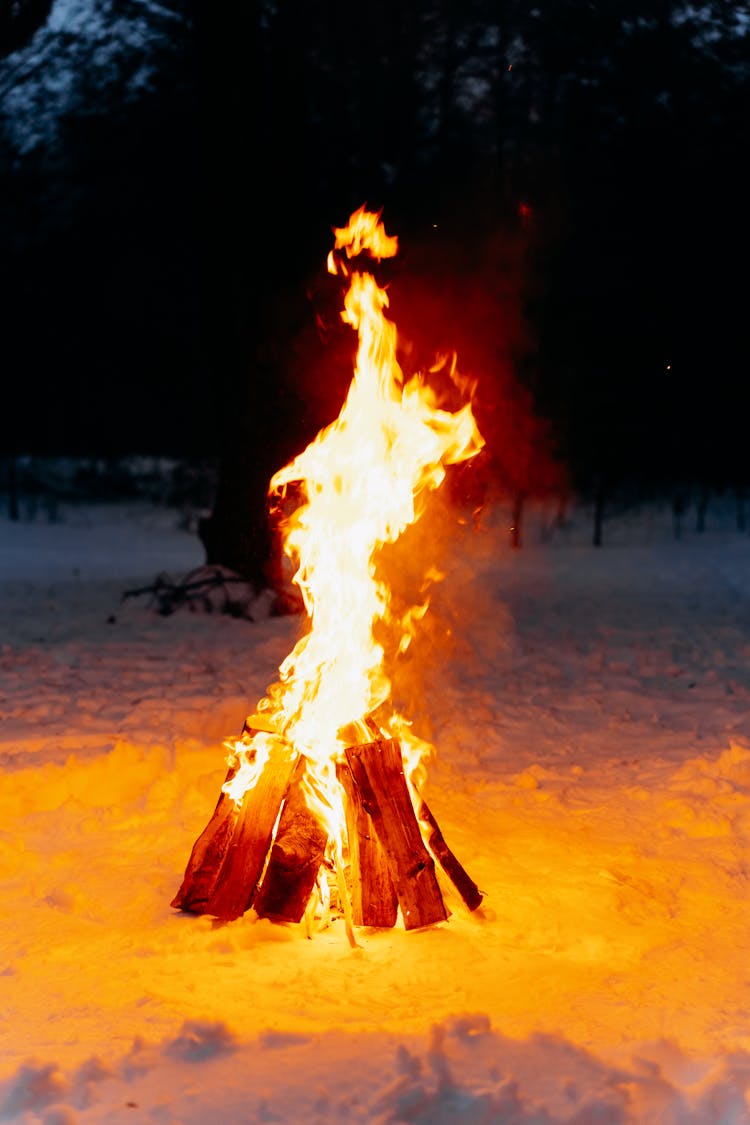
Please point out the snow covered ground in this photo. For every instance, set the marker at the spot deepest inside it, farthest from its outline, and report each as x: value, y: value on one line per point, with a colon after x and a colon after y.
x: 591, y: 715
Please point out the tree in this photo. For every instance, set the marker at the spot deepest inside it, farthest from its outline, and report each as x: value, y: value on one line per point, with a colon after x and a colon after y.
x: 640, y: 329
x: 19, y: 19
x: 97, y: 283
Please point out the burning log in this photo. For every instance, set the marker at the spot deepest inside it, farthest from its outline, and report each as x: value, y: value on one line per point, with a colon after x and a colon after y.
x: 207, y: 856
x: 210, y: 849
x: 243, y: 864
x: 374, y: 901
x: 228, y: 859
x: 239, y: 861
x: 378, y: 770
x: 297, y: 853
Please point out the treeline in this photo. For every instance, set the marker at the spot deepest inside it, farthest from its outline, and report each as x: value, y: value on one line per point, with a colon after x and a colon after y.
x: 568, y: 188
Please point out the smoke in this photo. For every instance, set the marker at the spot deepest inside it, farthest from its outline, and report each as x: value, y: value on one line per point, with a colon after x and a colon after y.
x: 444, y: 562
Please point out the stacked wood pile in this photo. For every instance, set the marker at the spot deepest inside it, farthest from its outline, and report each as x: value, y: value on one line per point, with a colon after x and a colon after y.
x: 266, y: 850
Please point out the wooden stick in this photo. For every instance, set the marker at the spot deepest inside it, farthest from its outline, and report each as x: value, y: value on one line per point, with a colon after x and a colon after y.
x: 465, y: 886
x: 377, y: 768
x: 343, y: 890
x: 373, y: 897
x: 296, y: 856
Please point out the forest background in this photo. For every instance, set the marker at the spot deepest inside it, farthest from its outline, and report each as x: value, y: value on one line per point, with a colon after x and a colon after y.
x: 568, y: 182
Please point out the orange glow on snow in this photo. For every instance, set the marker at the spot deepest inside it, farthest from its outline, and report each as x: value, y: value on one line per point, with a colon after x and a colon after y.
x: 616, y: 913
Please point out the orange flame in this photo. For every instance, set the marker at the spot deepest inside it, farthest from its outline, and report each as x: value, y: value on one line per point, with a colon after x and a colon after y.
x: 363, y: 481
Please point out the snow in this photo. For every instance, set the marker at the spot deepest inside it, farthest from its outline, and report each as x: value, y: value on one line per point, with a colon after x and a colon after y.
x: 90, y: 56
x: 590, y: 712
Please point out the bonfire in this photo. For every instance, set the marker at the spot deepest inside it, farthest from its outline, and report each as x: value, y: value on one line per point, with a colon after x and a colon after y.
x: 322, y: 808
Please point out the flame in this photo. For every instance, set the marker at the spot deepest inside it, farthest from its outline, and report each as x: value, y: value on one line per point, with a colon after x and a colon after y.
x: 362, y: 481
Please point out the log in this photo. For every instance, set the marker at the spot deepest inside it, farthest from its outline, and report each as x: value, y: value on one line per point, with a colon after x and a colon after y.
x: 465, y: 886
x: 210, y: 849
x: 236, y: 862
x: 377, y: 768
x: 242, y: 867
x: 373, y: 898
x: 296, y: 856
x: 207, y: 856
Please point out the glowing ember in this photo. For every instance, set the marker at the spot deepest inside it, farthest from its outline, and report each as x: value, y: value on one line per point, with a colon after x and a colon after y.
x: 359, y: 484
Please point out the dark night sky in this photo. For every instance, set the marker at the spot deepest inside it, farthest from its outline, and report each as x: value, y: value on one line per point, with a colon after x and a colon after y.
x: 106, y: 219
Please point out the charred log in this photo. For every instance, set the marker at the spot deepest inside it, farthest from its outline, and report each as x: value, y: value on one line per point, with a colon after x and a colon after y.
x: 465, y: 886
x: 228, y: 859
x: 208, y: 855
x: 377, y: 768
x: 373, y: 897
x: 296, y: 856
x: 266, y: 850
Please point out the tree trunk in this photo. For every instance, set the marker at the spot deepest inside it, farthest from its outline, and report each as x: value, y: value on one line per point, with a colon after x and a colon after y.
x: 679, y: 507
x: 599, y: 498
x: 12, y: 476
x: 254, y: 261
